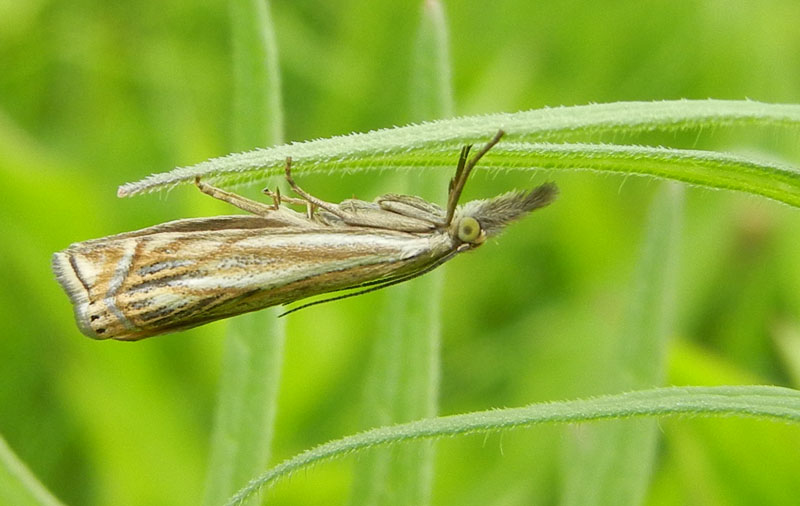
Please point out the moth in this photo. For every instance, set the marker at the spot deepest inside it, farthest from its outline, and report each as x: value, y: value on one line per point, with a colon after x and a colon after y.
x: 189, y: 272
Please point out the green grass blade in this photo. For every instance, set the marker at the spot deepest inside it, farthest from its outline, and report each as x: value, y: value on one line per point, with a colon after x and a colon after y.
x: 246, y: 404
x: 702, y: 168
x: 247, y: 399
x: 403, y: 383
x: 764, y: 402
x: 18, y: 485
x: 787, y: 344
x: 385, y: 148
x: 613, y: 463
x: 431, y: 83
x: 257, y: 103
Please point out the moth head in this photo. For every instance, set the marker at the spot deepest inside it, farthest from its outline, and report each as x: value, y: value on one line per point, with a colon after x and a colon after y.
x: 478, y: 220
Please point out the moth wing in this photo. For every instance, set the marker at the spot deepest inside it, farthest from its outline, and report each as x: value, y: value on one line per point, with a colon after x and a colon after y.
x: 389, y: 213
x: 282, y: 218
x: 92, y: 270
x: 411, y: 206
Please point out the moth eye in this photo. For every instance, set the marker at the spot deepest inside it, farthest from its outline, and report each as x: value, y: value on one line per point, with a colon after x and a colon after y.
x: 469, y: 229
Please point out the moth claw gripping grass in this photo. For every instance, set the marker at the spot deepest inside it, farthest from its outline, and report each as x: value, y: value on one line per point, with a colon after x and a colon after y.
x: 188, y: 272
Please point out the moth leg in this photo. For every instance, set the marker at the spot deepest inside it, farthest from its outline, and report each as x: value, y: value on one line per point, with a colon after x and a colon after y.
x: 279, y: 199
x: 352, y: 217
x: 275, y: 196
x: 310, y: 199
x: 243, y: 203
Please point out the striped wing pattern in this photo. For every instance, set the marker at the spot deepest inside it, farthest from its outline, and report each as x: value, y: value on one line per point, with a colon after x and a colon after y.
x: 141, y: 284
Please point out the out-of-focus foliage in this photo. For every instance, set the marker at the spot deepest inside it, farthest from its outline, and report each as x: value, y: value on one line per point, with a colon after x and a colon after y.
x: 95, y: 94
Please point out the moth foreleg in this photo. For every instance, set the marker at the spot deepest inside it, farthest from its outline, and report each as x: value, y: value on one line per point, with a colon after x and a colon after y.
x: 243, y: 203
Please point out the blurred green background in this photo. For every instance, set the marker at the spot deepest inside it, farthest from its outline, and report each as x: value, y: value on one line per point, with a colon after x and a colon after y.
x: 94, y: 94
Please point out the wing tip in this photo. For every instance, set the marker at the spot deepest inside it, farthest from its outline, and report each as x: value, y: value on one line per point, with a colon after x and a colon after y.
x: 69, y: 278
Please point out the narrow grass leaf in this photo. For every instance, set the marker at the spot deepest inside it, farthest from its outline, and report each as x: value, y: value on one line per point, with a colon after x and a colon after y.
x: 403, y: 382
x: 18, y: 485
x: 431, y: 87
x: 787, y: 343
x: 707, y: 169
x: 382, y: 148
x: 701, y: 168
x: 247, y: 399
x: 763, y: 402
x: 613, y: 463
x: 246, y: 403
x: 257, y: 102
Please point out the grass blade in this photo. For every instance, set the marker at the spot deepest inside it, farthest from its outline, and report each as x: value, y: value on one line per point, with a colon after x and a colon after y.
x: 18, y: 485
x: 613, y: 463
x: 247, y: 399
x: 701, y: 168
x: 431, y: 82
x: 763, y: 402
x: 257, y: 103
x: 403, y: 383
x: 414, y: 144
x: 247, y: 403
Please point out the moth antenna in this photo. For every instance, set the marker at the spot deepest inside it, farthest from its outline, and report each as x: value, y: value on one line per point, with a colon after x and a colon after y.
x: 451, y: 188
x: 462, y: 173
